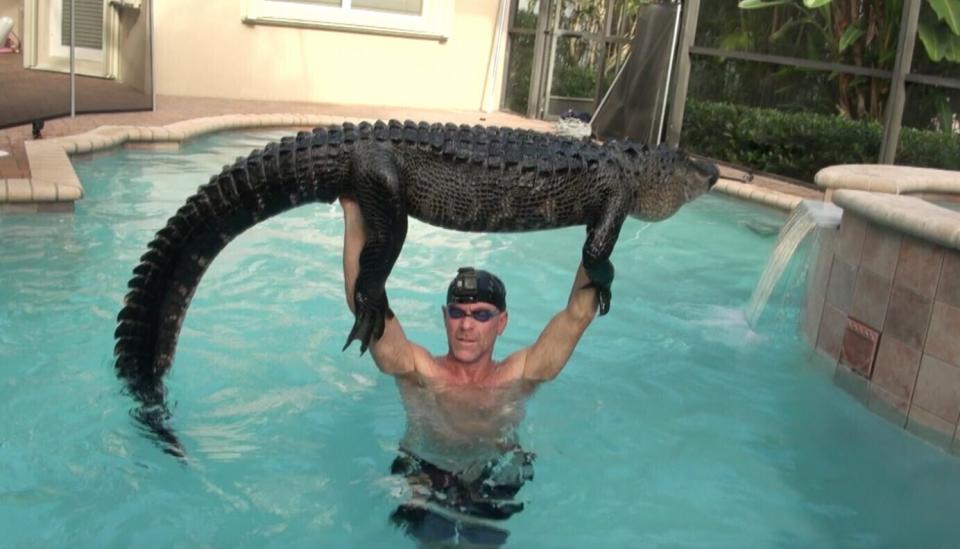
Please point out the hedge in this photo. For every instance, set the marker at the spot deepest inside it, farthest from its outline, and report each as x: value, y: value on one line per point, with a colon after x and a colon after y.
x: 797, y: 145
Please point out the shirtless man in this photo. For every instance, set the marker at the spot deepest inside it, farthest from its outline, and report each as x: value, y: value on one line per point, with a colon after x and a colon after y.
x: 460, y: 452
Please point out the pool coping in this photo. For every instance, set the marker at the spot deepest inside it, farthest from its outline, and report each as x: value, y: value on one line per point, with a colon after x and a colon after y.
x: 887, y: 178
x: 879, y: 192
x: 55, y: 187
x: 755, y: 193
x: 907, y: 214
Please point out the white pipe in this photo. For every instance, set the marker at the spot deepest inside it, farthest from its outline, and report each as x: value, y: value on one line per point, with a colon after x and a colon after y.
x: 73, y: 55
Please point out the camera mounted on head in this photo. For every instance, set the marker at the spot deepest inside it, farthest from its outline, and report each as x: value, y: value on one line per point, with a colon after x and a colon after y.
x: 477, y: 286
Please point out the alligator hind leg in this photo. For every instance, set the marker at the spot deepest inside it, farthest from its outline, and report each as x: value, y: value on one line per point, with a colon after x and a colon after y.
x: 377, y: 192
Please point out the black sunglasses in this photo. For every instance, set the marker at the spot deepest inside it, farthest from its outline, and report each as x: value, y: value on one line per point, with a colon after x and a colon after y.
x: 480, y: 315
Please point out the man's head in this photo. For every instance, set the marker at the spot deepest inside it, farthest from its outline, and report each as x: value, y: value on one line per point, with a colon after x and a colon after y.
x: 473, y: 286
x: 475, y: 314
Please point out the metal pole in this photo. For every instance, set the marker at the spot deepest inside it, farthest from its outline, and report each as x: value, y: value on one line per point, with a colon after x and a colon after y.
x: 507, y: 83
x: 682, y: 80
x: 539, y: 43
x: 602, y: 56
x: 152, y: 57
x: 73, y: 56
x: 551, y: 61
x: 673, y: 52
x: 893, y: 117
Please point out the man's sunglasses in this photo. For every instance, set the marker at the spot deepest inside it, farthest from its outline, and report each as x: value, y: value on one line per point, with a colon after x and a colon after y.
x: 480, y: 315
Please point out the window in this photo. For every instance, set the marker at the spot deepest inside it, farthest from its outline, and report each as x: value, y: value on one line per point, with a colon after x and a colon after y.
x: 430, y: 19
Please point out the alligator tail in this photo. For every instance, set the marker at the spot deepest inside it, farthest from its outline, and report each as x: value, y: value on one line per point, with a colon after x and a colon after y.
x: 312, y: 167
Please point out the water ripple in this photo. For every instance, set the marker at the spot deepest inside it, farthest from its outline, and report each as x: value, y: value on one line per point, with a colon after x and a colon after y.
x: 669, y: 398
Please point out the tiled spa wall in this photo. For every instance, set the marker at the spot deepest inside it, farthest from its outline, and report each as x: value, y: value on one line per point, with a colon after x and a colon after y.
x: 885, y: 307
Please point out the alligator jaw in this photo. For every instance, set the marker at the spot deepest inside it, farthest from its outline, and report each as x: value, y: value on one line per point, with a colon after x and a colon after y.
x: 706, y: 171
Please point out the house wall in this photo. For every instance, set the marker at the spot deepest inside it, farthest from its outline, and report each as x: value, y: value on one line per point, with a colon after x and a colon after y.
x: 203, y: 49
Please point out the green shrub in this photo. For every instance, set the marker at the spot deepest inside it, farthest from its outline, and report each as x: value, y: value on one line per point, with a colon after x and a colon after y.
x: 797, y: 145
x: 929, y: 149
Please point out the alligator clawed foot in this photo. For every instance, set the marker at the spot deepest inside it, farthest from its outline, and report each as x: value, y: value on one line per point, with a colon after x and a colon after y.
x: 601, y: 278
x: 603, y: 296
x: 369, y: 322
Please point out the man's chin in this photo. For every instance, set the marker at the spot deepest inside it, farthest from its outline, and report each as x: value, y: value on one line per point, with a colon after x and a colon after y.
x: 465, y: 356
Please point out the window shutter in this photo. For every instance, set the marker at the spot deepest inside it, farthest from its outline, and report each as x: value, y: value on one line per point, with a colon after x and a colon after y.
x: 89, y: 23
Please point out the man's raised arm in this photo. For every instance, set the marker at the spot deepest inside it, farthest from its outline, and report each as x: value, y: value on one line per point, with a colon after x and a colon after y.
x: 544, y: 359
x: 393, y: 353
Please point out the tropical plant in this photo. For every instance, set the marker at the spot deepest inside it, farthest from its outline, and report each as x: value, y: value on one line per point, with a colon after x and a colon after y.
x: 941, y: 37
x: 861, y: 33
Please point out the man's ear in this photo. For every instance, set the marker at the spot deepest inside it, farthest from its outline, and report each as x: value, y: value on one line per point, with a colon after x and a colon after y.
x: 502, y: 321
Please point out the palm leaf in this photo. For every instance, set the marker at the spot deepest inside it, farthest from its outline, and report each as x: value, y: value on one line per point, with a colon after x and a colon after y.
x: 851, y: 35
x: 930, y: 37
x: 758, y: 4
x: 948, y: 11
x: 952, y: 49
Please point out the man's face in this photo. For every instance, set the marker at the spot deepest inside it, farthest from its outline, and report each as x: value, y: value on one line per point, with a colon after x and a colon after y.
x: 469, y: 339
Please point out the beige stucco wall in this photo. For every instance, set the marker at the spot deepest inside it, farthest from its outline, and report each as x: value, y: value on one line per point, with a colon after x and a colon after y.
x: 203, y: 49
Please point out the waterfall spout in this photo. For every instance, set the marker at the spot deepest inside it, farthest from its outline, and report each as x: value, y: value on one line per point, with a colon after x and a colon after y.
x: 804, y: 218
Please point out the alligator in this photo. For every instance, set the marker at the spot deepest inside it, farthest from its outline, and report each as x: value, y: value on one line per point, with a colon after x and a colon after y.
x: 466, y: 178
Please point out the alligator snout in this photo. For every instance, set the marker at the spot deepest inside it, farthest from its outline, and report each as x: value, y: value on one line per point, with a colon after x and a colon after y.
x: 707, y: 171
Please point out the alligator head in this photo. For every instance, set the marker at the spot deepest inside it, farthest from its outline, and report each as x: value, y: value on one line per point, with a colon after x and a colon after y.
x: 666, y: 178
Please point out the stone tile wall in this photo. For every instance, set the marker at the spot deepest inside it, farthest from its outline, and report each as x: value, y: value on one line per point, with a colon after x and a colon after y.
x: 885, y: 307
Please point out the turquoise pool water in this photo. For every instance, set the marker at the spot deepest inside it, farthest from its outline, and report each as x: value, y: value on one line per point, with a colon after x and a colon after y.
x: 673, y: 425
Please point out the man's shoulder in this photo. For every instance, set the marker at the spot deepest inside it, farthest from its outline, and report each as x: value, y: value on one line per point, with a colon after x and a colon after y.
x: 516, y: 362
x: 512, y: 366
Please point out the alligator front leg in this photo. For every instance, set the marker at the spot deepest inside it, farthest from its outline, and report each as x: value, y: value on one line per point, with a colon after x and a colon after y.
x: 601, y: 238
x: 385, y: 221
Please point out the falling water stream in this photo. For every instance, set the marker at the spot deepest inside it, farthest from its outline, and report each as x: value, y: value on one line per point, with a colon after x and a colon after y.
x: 804, y: 218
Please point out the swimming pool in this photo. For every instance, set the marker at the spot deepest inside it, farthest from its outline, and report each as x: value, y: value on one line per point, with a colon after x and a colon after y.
x: 674, y: 424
